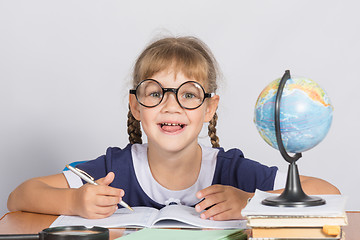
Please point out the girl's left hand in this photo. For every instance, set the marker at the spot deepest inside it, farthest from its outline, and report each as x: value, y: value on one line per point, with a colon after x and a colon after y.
x: 223, y: 202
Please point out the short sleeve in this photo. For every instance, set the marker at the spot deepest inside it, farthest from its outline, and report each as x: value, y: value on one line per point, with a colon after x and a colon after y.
x: 95, y: 168
x: 232, y: 168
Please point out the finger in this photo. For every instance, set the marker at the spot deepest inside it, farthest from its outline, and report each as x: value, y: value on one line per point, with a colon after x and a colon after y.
x: 102, y: 212
x: 215, y: 211
x: 209, y: 201
x: 226, y: 215
x: 106, y: 201
x: 107, y: 179
x: 106, y: 211
x: 209, y: 190
x: 93, y: 211
x: 109, y: 191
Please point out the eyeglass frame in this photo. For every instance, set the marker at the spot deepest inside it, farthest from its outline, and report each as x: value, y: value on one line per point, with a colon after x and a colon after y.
x: 174, y: 90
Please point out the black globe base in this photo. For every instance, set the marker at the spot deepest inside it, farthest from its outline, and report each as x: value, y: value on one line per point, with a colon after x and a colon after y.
x: 285, y: 201
x: 293, y: 194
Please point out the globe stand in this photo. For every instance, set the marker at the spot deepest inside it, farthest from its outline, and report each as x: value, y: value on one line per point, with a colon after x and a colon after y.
x: 293, y: 194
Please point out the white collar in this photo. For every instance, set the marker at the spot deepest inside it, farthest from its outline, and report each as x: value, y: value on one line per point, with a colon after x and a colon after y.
x: 163, y: 195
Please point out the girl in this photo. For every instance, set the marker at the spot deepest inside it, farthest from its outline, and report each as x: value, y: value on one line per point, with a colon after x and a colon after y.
x: 173, y: 95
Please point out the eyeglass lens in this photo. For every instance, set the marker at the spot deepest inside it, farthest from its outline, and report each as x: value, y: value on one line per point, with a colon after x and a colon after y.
x: 189, y: 95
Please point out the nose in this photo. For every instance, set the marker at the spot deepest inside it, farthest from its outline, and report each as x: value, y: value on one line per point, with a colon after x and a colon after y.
x: 170, y: 102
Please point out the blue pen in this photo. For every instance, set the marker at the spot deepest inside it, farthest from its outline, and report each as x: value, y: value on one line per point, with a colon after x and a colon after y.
x: 86, y: 177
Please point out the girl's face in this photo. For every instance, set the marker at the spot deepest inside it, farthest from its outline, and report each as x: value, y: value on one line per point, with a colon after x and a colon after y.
x: 168, y: 126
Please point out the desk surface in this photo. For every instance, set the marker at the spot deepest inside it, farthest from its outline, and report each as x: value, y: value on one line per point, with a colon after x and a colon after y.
x: 30, y: 223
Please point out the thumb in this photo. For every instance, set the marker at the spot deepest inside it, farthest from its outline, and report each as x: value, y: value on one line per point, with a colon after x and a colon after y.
x: 107, y: 179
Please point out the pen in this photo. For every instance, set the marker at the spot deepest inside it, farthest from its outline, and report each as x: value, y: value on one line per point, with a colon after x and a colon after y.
x: 86, y: 177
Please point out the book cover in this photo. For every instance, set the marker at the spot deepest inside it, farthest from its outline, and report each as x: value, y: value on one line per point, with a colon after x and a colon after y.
x: 181, y: 234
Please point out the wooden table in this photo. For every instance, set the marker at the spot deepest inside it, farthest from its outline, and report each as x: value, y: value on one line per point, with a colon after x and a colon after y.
x: 30, y: 223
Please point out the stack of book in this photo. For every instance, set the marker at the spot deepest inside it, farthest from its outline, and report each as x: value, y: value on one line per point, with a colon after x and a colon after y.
x: 317, y: 222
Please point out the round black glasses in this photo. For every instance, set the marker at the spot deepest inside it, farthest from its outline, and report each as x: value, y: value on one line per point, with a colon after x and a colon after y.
x: 189, y: 95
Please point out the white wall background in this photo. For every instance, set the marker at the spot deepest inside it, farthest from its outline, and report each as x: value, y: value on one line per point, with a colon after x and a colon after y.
x: 65, y: 68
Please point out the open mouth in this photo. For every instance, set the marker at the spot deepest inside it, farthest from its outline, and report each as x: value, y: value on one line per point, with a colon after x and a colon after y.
x: 171, y: 127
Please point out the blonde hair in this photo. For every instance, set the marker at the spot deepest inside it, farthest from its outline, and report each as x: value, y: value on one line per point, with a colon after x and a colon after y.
x: 187, y: 55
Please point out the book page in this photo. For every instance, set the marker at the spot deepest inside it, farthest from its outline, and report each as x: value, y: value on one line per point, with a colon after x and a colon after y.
x: 180, y: 216
x: 123, y: 217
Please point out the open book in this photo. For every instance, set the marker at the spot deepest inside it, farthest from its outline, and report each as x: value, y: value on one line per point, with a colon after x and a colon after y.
x: 172, y: 216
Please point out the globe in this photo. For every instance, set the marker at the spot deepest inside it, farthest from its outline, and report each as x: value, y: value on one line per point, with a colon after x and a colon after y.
x: 305, y: 114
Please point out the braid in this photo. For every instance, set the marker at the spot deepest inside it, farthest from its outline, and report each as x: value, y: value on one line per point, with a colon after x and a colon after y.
x: 134, y: 129
x: 212, y: 131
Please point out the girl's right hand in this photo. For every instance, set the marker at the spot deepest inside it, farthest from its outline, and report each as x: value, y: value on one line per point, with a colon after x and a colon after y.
x: 97, y: 201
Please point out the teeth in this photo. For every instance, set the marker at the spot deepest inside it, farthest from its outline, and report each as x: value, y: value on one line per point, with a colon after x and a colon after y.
x: 171, y: 124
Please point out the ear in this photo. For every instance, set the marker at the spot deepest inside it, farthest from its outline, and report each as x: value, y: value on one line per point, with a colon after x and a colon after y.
x: 134, y: 107
x: 211, y: 107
